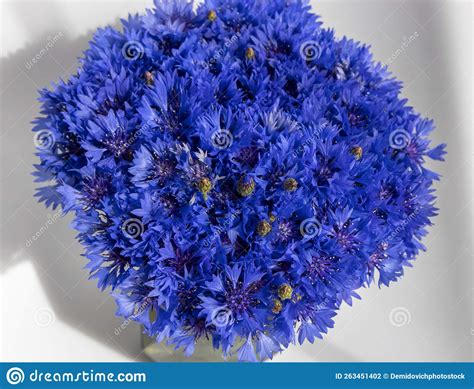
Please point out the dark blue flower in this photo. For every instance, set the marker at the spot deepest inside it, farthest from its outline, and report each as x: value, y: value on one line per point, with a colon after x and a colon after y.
x: 236, y: 172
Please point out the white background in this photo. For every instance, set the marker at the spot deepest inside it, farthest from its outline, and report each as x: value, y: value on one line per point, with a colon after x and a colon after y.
x: 49, y: 309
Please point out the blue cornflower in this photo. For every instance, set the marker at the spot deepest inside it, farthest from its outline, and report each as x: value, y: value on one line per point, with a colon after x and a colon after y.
x: 236, y: 172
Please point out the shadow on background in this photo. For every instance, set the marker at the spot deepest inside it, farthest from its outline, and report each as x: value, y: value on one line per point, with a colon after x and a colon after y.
x: 56, y: 255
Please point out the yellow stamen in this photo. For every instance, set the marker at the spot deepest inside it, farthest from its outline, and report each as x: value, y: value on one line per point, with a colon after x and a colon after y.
x: 285, y: 292
x: 277, y: 306
x: 297, y: 298
x: 263, y: 228
x: 290, y: 184
x: 204, y: 186
x: 245, y: 186
x: 250, y: 53
x: 148, y: 78
x: 357, y: 152
x: 211, y: 16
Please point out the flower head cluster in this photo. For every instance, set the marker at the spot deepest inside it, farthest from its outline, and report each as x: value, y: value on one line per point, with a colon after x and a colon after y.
x: 236, y: 172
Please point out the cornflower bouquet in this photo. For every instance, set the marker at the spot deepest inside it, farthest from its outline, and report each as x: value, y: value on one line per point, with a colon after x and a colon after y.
x: 236, y: 172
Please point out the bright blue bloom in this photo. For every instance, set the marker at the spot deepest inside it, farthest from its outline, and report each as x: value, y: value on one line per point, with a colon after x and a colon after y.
x: 236, y: 172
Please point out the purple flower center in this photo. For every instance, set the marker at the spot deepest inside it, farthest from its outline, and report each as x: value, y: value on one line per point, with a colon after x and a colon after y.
x: 163, y: 168
x: 286, y: 231
x: 240, y: 299
x: 117, y: 143
x: 95, y: 189
x: 180, y: 261
x: 322, y: 267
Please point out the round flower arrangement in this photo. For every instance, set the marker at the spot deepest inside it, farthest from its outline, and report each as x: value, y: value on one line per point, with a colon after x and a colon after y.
x: 236, y: 172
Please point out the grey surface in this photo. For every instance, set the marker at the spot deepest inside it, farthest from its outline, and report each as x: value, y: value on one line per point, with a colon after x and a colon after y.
x: 425, y: 317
